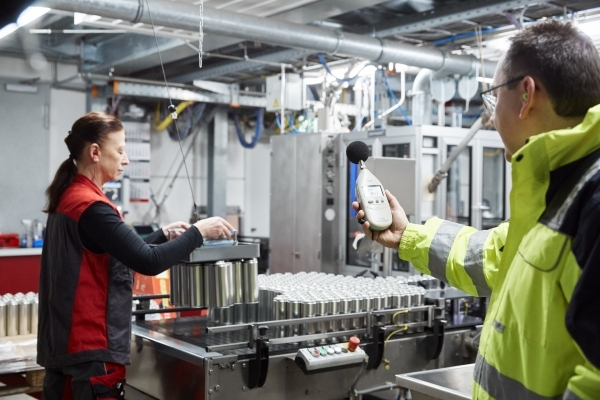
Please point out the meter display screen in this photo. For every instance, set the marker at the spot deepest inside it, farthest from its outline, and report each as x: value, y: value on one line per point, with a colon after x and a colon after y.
x: 373, y: 190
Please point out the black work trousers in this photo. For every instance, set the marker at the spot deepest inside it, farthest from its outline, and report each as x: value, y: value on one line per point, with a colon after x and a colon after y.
x: 85, y: 381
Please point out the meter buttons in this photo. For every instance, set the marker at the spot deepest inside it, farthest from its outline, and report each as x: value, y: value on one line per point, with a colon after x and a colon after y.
x: 337, y: 349
x: 315, y: 352
x: 323, y: 351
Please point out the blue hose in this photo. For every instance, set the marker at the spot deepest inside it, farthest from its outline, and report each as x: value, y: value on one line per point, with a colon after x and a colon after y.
x: 257, y: 133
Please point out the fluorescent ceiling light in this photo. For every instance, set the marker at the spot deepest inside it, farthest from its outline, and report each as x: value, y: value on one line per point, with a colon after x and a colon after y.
x: 8, y: 29
x: 29, y: 15
x: 486, y: 80
x: 79, y: 18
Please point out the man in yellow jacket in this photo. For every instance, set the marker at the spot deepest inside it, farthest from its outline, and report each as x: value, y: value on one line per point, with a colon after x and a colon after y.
x: 541, y: 337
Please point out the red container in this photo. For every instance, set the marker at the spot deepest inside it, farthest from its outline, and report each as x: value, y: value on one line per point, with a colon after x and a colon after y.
x: 9, y: 240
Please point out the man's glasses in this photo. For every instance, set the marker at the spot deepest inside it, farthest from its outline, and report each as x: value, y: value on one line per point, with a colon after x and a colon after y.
x: 489, y: 98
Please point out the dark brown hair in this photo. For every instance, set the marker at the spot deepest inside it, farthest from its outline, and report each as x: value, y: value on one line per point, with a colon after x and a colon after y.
x: 563, y: 59
x: 91, y: 128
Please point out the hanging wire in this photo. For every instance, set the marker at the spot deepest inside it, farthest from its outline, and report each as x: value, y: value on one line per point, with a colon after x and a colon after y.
x: 172, y: 111
x: 201, y: 37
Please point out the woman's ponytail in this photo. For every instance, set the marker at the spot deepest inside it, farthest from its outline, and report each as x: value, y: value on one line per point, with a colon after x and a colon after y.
x: 62, y: 179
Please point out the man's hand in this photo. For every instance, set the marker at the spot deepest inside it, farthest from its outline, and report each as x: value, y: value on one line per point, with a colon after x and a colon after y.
x: 390, y: 237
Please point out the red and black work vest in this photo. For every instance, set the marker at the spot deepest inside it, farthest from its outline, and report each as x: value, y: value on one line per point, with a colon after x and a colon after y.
x: 85, y: 297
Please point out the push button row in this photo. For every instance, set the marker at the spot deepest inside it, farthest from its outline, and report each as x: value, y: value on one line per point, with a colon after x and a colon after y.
x: 329, y: 350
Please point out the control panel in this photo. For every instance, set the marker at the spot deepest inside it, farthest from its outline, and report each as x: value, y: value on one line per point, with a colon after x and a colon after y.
x: 330, y: 357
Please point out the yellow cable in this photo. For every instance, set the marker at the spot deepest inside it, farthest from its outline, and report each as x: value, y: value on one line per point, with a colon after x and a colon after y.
x: 398, y: 313
x: 167, y: 121
x: 404, y: 328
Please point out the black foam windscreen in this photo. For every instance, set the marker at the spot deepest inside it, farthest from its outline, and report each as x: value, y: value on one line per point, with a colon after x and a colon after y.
x: 357, y: 151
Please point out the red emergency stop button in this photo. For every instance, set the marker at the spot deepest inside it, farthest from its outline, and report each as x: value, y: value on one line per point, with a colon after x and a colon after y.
x: 353, y: 343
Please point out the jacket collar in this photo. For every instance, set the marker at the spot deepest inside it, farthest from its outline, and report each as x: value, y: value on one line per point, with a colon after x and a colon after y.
x: 551, y: 150
x: 87, y: 182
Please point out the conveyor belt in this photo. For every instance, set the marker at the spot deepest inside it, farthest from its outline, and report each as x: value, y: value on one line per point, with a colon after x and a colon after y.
x: 192, y: 330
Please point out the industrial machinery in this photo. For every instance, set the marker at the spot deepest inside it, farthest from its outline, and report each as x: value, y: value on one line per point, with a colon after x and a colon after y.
x: 312, y: 225
x: 321, y: 336
x: 315, y: 327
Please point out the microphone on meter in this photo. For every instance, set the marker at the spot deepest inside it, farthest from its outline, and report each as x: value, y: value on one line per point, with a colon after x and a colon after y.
x: 369, y: 191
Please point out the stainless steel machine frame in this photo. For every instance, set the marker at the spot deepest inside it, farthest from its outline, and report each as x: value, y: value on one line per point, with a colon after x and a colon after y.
x: 164, y: 367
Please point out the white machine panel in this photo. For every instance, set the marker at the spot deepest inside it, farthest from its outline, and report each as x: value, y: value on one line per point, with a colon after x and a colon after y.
x: 329, y: 356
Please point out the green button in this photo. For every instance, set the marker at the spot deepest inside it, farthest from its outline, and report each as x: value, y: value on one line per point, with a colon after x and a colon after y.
x: 323, y: 351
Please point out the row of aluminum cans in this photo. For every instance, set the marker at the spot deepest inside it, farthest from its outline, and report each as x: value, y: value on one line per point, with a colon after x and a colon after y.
x: 18, y: 314
x: 290, y: 296
x: 228, y: 288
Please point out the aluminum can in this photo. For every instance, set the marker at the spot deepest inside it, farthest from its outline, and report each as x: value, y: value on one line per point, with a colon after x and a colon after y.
x: 222, y: 284
x: 174, y: 285
x: 34, y: 315
x: 196, y: 285
x: 250, y: 268
x: 25, y: 317
x: 293, y: 312
x: 12, y: 318
x: 3, y: 307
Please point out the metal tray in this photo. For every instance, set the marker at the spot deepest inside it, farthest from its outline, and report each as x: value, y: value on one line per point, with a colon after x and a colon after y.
x: 454, y: 383
x: 212, y: 254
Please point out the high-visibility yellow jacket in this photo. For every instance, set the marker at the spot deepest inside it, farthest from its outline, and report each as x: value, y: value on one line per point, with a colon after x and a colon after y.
x: 541, y: 336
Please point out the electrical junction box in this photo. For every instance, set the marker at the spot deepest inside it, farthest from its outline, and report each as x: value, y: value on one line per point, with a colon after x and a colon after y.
x: 295, y: 93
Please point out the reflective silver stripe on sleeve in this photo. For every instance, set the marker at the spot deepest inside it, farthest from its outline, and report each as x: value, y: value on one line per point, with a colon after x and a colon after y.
x: 500, y: 386
x: 474, y: 262
x: 571, y: 396
x: 440, y: 248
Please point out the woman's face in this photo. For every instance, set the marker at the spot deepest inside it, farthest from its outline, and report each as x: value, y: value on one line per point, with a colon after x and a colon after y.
x: 112, y: 157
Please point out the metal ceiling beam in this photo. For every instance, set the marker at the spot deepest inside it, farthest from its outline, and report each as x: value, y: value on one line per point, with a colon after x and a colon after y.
x: 460, y: 11
x: 130, y: 53
x: 241, y: 66
x: 279, y: 33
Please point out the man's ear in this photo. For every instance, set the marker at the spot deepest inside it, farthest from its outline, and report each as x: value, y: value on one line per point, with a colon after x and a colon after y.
x: 528, y: 98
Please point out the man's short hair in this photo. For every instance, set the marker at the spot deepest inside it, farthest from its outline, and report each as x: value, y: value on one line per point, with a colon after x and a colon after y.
x: 563, y: 59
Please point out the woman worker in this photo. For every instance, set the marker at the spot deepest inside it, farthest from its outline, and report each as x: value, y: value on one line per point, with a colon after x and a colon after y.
x: 87, y: 261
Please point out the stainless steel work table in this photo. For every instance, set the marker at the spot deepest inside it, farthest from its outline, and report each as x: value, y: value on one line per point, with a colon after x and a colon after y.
x: 454, y: 383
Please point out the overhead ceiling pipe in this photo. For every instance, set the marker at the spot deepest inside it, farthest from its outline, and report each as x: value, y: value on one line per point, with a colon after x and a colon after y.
x: 421, y: 101
x: 180, y: 15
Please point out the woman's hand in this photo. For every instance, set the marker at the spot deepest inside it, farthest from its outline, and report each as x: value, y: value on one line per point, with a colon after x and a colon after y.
x: 390, y: 237
x: 214, y: 228
x: 180, y: 227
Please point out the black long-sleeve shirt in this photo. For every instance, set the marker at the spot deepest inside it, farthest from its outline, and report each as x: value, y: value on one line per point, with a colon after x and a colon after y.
x: 102, y: 231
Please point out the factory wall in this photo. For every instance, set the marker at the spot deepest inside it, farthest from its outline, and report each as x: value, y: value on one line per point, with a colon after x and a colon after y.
x: 247, y: 181
x: 32, y: 148
x: 24, y: 156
